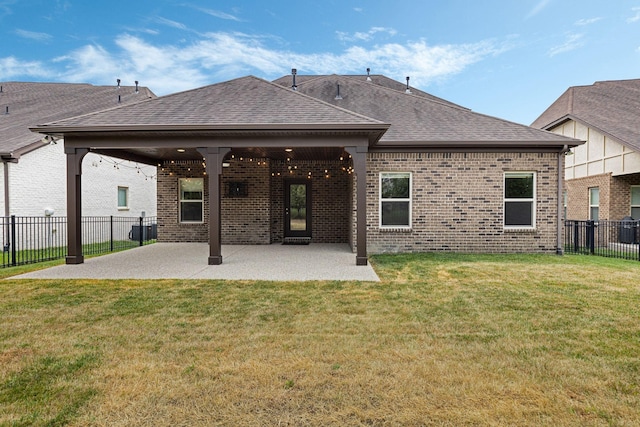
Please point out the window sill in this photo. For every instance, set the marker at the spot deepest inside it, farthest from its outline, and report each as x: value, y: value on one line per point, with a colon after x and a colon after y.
x: 396, y: 229
x: 122, y: 209
x: 520, y: 230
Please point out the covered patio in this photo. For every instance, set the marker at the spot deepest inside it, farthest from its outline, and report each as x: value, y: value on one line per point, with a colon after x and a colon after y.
x: 246, y: 117
x: 317, y: 261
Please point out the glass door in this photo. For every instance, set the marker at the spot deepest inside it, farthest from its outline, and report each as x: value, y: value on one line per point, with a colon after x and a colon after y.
x: 297, y: 208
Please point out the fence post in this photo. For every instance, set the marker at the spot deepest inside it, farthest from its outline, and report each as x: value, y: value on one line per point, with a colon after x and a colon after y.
x: 13, y: 241
x: 591, y: 236
x: 141, y: 231
x: 576, y: 237
x: 111, y: 233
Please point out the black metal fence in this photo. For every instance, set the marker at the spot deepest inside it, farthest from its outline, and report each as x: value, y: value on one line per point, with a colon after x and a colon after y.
x: 616, y: 239
x: 28, y: 239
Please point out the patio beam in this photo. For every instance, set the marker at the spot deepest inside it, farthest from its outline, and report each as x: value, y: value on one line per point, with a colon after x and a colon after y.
x: 213, y: 157
x: 74, y: 204
x: 359, y: 157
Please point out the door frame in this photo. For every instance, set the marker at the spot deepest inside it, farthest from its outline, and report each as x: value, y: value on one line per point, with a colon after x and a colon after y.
x: 308, y: 213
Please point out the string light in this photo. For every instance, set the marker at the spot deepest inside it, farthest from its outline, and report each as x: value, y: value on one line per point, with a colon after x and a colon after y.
x: 126, y: 164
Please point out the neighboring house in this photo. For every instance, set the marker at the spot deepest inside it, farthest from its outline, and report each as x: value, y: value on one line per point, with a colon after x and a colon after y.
x: 33, y: 169
x: 603, y: 175
x: 343, y: 159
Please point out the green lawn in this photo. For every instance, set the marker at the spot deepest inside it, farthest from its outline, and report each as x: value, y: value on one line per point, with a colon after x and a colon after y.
x: 444, y: 339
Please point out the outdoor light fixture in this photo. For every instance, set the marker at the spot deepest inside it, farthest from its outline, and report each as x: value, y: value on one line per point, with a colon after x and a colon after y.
x: 288, y: 150
x: 180, y: 150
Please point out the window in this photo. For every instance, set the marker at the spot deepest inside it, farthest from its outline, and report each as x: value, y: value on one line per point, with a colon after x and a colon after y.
x: 635, y: 202
x: 191, y: 199
x: 519, y: 199
x: 123, y: 198
x: 395, y: 199
x: 594, y: 203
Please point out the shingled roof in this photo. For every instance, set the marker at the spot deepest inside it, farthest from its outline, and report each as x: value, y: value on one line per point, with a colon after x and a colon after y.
x: 376, y: 79
x: 418, y: 120
x: 612, y: 107
x: 26, y: 104
x: 392, y: 118
x: 243, y: 103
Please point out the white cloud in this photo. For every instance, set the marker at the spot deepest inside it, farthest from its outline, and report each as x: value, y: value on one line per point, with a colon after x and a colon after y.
x: 636, y: 16
x: 170, y: 23
x: 222, y: 56
x: 11, y: 67
x: 537, y: 8
x: 5, y: 7
x: 41, y: 37
x: 364, y: 36
x: 583, y: 22
x: 219, y: 14
x: 572, y: 41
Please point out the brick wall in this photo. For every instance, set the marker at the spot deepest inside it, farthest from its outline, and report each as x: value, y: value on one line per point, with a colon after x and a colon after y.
x: 621, y: 195
x: 169, y: 227
x: 246, y: 220
x: 258, y: 217
x: 458, y: 203
x: 330, y: 197
x: 578, y: 196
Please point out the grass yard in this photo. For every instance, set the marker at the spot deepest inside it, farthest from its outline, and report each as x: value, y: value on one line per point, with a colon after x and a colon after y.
x: 443, y: 340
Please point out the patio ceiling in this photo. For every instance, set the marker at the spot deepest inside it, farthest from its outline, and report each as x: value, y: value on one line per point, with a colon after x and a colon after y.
x: 159, y: 154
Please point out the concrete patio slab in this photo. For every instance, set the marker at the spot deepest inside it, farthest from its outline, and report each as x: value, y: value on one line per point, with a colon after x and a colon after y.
x: 239, y: 262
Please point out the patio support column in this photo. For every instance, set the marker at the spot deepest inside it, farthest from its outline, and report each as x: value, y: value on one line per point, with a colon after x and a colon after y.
x: 74, y: 204
x: 359, y: 157
x: 213, y: 156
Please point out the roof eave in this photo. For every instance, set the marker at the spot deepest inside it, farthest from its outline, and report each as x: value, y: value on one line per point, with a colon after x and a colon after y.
x: 480, y: 145
x: 54, y: 129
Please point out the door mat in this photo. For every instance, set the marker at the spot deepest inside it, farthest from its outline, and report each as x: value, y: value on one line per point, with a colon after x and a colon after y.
x: 296, y: 240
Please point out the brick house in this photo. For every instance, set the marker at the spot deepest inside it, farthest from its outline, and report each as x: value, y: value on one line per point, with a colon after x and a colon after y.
x: 32, y: 168
x: 603, y: 175
x: 362, y: 160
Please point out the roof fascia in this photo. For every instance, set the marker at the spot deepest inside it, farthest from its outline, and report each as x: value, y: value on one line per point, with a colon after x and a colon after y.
x: 411, y: 145
x: 14, y: 156
x: 132, y: 141
x: 53, y: 129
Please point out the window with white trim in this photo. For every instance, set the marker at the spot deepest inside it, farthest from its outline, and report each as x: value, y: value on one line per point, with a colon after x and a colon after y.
x: 191, y: 199
x: 594, y: 203
x: 123, y: 198
x: 519, y: 199
x: 635, y: 202
x: 395, y: 199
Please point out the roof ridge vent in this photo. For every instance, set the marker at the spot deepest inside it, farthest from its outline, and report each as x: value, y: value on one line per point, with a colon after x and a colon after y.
x: 368, y: 74
x: 407, y: 90
x: 338, y: 97
x: 293, y: 74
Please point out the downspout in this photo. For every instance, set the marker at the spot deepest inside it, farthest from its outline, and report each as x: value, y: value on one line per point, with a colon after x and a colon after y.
x: 559, y: 243
x: 7, y: 211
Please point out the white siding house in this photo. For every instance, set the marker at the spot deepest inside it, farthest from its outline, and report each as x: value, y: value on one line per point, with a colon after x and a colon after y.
x: 33, y: 168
